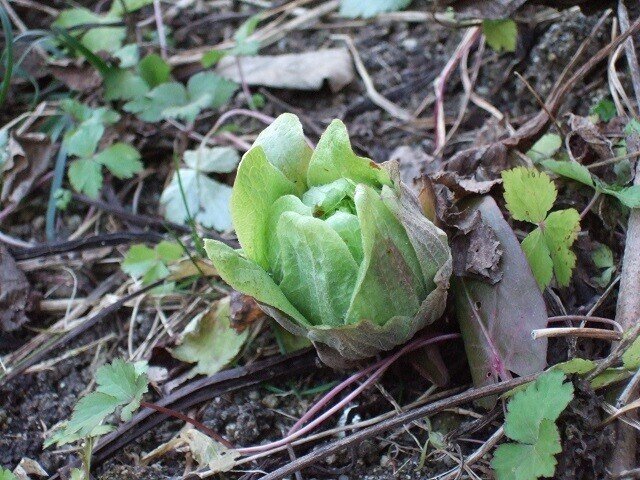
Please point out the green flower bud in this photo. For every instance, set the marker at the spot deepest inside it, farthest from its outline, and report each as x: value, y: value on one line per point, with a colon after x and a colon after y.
x: 334, y: 246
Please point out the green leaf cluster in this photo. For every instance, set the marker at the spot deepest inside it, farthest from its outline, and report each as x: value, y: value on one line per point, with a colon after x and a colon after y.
x: 121, y: 385
x: 530, y: 195
x: 94, y: 37
x: 151, y: 264
x: 530, y: 423
x: 192, y: 194
x: 175, y: 100
x: 332, y: 241
x: 81, y: 142
x: 131, y: 83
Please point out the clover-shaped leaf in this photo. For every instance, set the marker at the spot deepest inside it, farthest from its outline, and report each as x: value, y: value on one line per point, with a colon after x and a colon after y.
x: 151, y: 264
x: 530, y: 195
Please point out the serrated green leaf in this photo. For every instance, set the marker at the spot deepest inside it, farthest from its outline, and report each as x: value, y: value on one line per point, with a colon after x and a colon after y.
x: 121, y: 381
x: 370, y: 8
x: 151, y: 264
x: 89, y: 412
x: 248, y: 277
x: 312, y: 268
x: 546, y: 398
x: 539, y: 257
x: 151, y: 106
x: 154, y: 70
x: 546, y: 147
x: 605, y: 109
x: 82, y: 141
x: 518, y: 461
x: 529, y: 194
x: 209, y: 341
x: 570, y: 169
x: 609, y: 377
x: 85, y: 175
x: 121, y: 159
x: 501, y: 34
x: 560, y: 231
x: 579, y: 366
x: 629, y: 196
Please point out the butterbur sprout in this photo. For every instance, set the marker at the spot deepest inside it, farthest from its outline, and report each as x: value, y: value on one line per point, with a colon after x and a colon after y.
x: 334, y: 247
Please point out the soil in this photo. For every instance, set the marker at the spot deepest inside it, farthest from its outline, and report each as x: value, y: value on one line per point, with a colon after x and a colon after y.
x: 402, y: 60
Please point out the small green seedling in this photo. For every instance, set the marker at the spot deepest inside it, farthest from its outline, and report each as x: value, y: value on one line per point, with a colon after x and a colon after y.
x: 151, y: 264
x: 81, y: 142
x: 501, y: 34
x: 530, y: 195
x: 605, y: 110
x: 243, y: 46
x: 371, y: 8
x: 530, y: 423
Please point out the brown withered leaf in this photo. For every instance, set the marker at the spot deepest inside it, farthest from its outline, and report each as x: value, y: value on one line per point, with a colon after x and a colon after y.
x: 15, y: 293
x: 475, y: 170
x: 476, y: 249
x: 244, y: 311
x: 585, y: 138
x: 75, y: 74
x: 29, y: 157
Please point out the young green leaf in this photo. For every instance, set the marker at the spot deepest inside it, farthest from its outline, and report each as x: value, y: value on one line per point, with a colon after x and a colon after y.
x: 151, y: 264
x: 631, y: 356
x: 603, y: 259
x: 537, y: 252
x: 546, y: 147
x: 120, y: 385
x: 560, y: 231
x: 632, y: 127
x: 529, y: 194
x: 605, y: 110
x: 85, y: 175
x: 501, y: 34
x: 154, y: 70
x: 122, y: 160
x: 120, y: 7
x: 530, y: 421
x: 96, y: 39
x: 572, y: 170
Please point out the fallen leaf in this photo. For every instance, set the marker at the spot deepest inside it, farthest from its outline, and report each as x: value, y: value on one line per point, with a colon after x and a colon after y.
x: 75, y: 74
x: 15, y: 293
x: 209, y: 341
x: 28, y: 158
x: 295, y: 71
x: 476, y: 249
x: 28, y: 467
x: 585, y: 138
x: 244, y: 311
x: 496, y: 320
x: 209, y: 453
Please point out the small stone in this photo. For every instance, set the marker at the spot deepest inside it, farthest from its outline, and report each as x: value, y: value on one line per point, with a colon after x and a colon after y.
x: 270, y: 401
x: 410, y: 44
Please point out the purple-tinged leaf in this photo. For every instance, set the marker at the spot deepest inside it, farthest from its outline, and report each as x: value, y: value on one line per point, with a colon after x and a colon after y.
x: 496, y: 320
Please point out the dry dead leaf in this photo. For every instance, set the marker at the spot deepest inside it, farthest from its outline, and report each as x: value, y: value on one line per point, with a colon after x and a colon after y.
x: 75, y: 74
x: 28, y: 159
x: 15, y: 293
x: 295, y: 71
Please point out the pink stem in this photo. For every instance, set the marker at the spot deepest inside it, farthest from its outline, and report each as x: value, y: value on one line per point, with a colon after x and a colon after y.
x: 380, y: 367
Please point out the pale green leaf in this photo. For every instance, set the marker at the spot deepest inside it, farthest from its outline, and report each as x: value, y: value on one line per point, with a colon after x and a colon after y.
x: 121, y: 159
x: 151, y: 264
x: 546, y: 147
x: 570, y: 169
x: 560, y: 231
x: 209, y: 341
x: 501, y: 34
x: 334, y: 159
x: 89, y: 412
x: 529, y: 194
x: 628, y: 196
x: 324, y: 199
x: 539, y: 257
x: 390, y: 281
x: 150, y: 108
x: 209, y: 453
x: 631, y: 356
x: 138, y: 260
x: 579, y: 366
x: 85, y: 175
x: 122, y: 84
x: 108, y: 39
x: 82, y: 141
x: 169, y: 251
x: 6, y: 474
x: 609, y: 377
x: 120, y: 7
x: 128, y: 55
x: 285, y: 146
x: 370, y: 8
x: 318, y: 271
x: 249, y: 278
x: 347, y: 226
x: 258, y: 185
x: 216, y: 159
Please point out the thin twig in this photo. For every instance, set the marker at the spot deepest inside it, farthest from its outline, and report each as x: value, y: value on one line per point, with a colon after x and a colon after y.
x: 597, y: 333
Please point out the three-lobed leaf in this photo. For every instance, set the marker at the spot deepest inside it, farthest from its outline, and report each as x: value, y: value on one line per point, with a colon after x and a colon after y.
x: 529, y: 194
x: 151, y: 264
